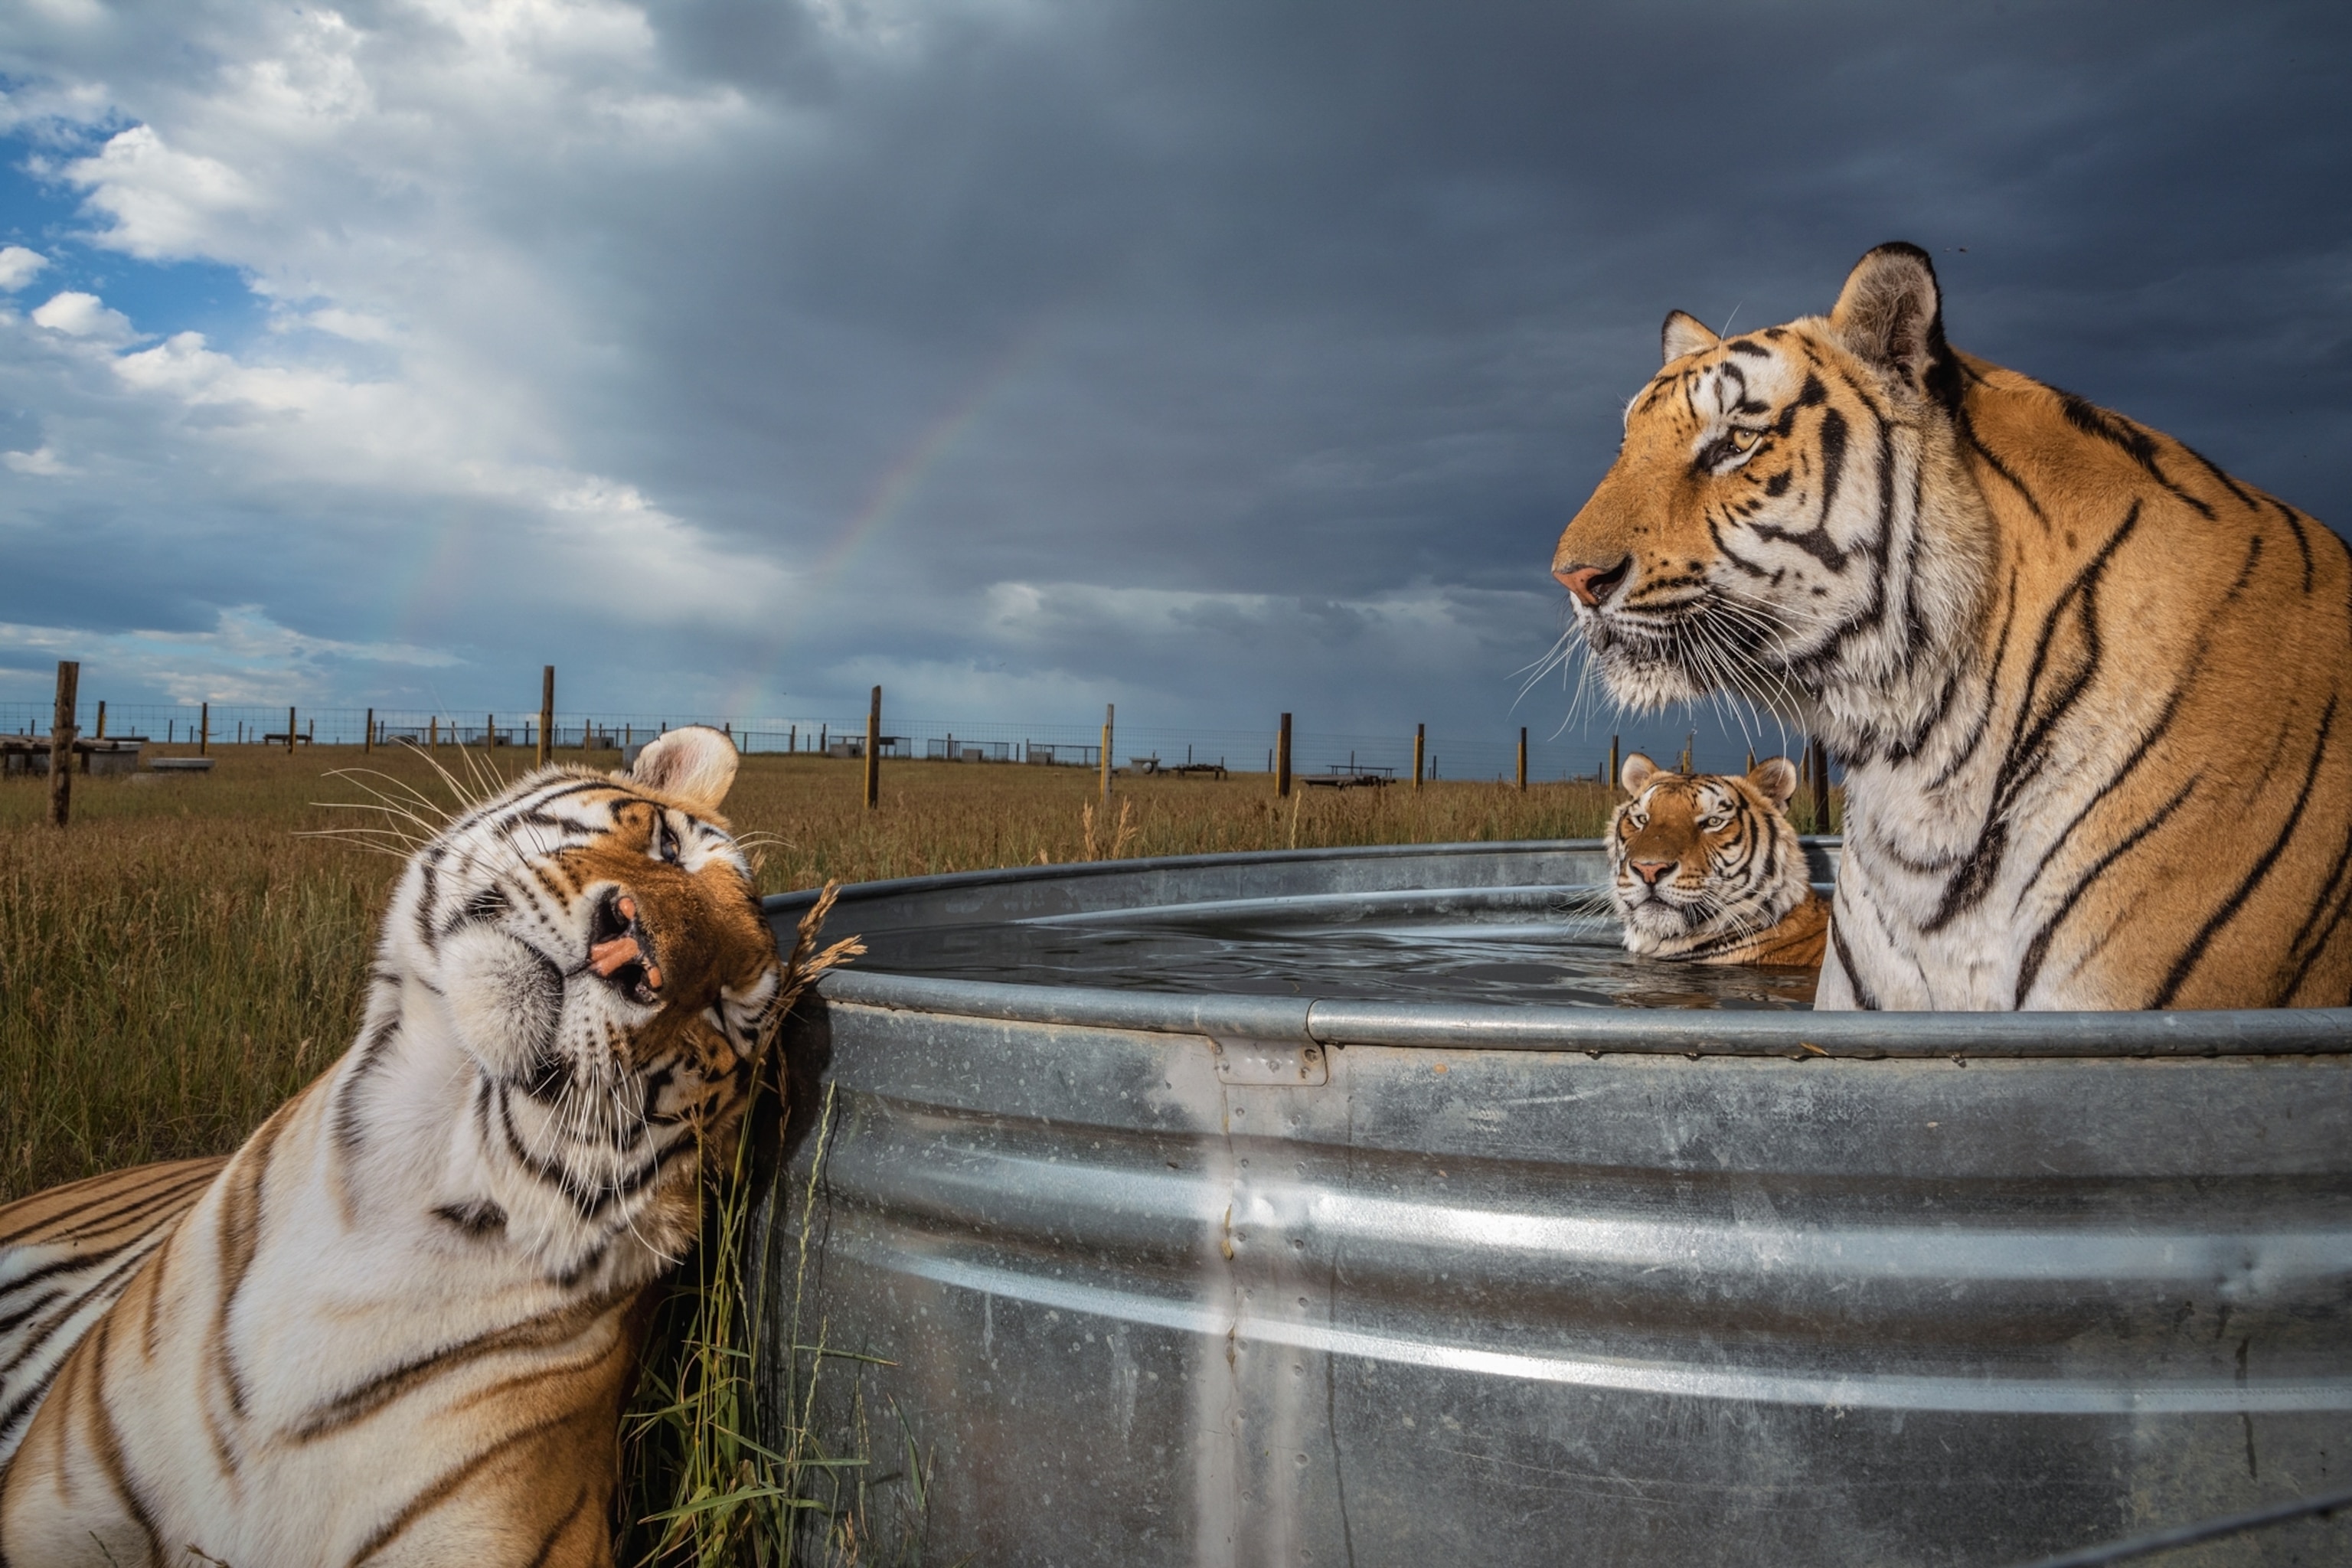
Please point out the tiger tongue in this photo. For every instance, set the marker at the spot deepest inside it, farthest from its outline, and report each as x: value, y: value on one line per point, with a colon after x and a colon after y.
x: 611, y: 954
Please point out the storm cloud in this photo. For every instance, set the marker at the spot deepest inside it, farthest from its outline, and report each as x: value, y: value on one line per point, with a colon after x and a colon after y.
x: 1213, y: 359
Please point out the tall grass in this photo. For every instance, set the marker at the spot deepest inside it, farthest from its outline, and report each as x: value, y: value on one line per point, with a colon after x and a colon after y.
x: 182, y: 959
x: 186, y: 956
x: 701, y: 1486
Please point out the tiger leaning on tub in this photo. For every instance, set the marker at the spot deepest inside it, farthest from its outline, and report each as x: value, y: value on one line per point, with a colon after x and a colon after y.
x: 398, y: 1326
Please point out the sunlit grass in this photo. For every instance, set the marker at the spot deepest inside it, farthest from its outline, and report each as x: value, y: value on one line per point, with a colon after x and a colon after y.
x: 193, y: 950
x: 184, y: 957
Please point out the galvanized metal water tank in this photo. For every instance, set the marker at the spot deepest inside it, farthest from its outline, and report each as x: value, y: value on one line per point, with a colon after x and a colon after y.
x: 1168, y: 1278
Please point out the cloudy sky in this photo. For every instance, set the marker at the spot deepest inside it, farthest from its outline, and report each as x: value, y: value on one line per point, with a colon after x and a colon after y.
x: 1210, y: 358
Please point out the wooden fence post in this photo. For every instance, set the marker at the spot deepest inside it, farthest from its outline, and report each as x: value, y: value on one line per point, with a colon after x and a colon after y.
x: 1420, y: 738
x: 1282, y: 762
x: 367, y: 735
x: 1611, y: 779
x: 204, y: 730
x: 1523, y: 759
x: 546, y: 713
x: 61, y: 740
x: 289, y: 729
x: 101, y: 718
x: 1110, y: 712
x: 431, y: 733
x: 874, y: 752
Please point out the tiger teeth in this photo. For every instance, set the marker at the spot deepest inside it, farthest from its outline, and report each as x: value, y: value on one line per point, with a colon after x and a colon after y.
x: 607, y: 956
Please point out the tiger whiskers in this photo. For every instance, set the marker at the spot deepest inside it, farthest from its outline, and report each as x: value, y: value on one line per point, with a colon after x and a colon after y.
x: 1555, y: 658
x: 412, y: 818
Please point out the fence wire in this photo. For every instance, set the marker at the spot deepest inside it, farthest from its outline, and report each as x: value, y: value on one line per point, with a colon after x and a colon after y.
x: 1447, y: 754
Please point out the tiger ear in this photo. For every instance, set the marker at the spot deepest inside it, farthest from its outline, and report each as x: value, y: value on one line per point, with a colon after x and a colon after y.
x: 1776, y: 778
x: 1684, y: 333
x: 1637, y: 772
x: 697, y: 764
x: 1890, y: 314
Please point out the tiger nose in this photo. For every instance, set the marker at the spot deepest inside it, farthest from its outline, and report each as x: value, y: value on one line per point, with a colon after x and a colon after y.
x: 1651, y: 870
x: 1593, y: 583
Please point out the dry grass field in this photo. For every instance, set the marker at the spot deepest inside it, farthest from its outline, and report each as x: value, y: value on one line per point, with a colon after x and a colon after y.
x: 184, y: 957
x: 192, y: 950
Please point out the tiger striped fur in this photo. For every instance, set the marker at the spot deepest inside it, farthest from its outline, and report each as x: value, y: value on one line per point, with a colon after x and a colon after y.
x: 65, y: 1254
x: 399, y: 1325
x: 1705, y: 867
x: 2089, y: 691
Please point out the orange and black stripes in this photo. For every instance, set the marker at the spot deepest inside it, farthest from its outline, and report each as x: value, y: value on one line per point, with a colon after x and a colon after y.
x: 2089, y: 691
x: 1706, y: 868
x: 399, y: 1324
x: 66, y: 1255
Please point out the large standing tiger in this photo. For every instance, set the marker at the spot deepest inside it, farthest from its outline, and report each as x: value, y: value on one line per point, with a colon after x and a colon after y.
x: 2091, y: 693
x: 1705, y: 869
x: 399, y: 1326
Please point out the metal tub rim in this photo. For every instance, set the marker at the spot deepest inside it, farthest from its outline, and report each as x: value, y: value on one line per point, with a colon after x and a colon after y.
x: 1340, y: 1021
x: 779, y: 904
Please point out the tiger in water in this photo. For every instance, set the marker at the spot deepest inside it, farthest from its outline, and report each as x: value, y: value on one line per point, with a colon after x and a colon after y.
x: 398, y: 1325
x: 2087, y: 688
x: 1704, y: 867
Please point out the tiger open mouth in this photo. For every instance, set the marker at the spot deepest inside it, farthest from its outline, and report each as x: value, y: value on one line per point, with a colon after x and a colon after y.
x: 620, y: 950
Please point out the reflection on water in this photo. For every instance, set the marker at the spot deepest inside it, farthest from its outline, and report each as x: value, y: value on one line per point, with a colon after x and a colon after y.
x: 1560, y: 957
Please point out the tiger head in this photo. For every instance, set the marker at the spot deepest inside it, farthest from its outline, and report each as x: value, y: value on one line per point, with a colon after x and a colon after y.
x: 1762, y: 530
x: 583, y: 957
x: 1697, y: 858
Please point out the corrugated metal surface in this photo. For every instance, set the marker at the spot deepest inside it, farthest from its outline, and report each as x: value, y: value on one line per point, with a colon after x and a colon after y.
x: 1174, y: 1279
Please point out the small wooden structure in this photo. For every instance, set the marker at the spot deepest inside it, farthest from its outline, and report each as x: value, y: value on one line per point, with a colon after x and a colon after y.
x: 114, y: 754
x: 1355, y: 775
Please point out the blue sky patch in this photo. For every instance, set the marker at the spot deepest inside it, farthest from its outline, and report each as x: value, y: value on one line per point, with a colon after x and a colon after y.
x: 160, y: 297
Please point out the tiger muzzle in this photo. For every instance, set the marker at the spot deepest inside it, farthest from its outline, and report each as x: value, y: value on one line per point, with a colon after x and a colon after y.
x: 1591, y: 584
x: 620, y: 950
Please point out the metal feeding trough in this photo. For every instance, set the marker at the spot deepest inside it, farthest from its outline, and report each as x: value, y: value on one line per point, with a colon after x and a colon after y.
x: 1366, y: 1206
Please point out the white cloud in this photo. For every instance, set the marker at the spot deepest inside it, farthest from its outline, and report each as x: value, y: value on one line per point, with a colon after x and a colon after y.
x: 80, y: 315
x: 165, y: 203
x: 42, y: 460
x: 573, y: 537
x: 246, y: 658
x: 19, y: 267
x: 613, y: 547
x: 356, y: 325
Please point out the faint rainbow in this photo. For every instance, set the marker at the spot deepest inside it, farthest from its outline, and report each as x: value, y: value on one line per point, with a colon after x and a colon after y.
x: 891, y: 493
x: 437, y: 556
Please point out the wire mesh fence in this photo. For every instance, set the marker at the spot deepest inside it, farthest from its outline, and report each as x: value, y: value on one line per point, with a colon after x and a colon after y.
x: 1448, y: 753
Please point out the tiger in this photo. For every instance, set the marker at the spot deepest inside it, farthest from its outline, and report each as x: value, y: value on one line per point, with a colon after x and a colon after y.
x: 1704, y: 867
x: 398, y: 1325
x: 2083, y: 684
